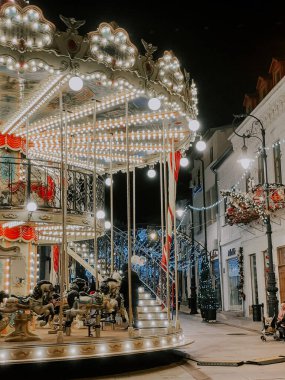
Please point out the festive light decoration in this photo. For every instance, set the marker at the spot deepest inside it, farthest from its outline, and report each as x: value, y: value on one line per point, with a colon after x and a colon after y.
x: 206, y: 294
x: 170, y: 73
x: 116, y: 40
x: 13, y: 142
x: 241, y: 273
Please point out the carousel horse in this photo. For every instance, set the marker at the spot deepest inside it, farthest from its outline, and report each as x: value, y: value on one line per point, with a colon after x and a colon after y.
x: 40, y: 301
x: 4, y: 320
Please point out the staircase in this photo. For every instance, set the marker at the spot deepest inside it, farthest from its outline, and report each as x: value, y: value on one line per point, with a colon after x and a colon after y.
x: 152, y: 315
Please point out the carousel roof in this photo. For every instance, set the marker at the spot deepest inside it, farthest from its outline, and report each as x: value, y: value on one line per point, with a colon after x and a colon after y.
x: 37, y: 62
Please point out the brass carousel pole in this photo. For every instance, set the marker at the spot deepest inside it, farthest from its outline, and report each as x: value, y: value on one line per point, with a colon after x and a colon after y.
x: 129, y: 221
x: 63, y: 209
x: 97, y: 326
x: 175, y: 236
x: 111, y: 205
x: 161, y: 217
x: 134, y: 211
x: 94, y: 194
x: 66, y: 270
x: 166, y: 226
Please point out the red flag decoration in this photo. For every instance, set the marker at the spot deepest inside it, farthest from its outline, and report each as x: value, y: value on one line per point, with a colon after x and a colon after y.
x: 55, y: 255
x: 172, y: 184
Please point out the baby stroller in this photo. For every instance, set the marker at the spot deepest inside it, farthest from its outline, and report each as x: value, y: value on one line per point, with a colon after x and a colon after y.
x: 269, y: 328
x: 272, y: 327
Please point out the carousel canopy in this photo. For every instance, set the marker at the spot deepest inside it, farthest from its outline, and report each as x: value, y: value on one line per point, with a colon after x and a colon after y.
x: 98, y: 75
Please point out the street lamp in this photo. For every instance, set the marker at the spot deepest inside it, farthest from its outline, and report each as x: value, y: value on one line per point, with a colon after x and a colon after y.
x: 271, y: 283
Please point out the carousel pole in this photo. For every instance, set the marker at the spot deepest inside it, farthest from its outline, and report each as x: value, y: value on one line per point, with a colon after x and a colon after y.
x: 134, y: 211
x: 161, y: 216
x: 98, y: 317
x: 27, y: 138
x: 129, y: 222
x: 175, y: 236
x: 111, y: 205
x: 66, y: 270
x: 166, y: 226
x: 63, y: 208
x: 94, y: 194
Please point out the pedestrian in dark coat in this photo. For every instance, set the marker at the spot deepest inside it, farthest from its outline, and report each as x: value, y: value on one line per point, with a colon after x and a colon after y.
x: 124, y: 290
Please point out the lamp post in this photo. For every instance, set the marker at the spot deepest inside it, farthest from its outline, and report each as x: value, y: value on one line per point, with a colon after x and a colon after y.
x: 193, y: 288
x: 271, y: 281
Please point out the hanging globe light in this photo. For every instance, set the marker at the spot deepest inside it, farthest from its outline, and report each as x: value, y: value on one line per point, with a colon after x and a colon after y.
x: 154, y: 104
x: 193, y: 125
x: 75, y: 83
x: 184, y: 162
x: 100, y: 214
x: 201, y: 146
x: 31, y: 206
x: 107, y: 225
x: 151, y: 173
x: 108, y: 181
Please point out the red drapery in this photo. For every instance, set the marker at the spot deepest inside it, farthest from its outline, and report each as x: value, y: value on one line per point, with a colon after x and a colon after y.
x: 55, y: 254
x: 13, y: 142
x: 24, y: 233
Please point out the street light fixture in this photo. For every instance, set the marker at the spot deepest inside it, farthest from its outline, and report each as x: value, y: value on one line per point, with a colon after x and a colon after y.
x: 271, y: 283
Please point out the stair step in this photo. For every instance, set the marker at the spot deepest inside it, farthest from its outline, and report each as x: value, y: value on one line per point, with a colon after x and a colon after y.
x: 152, y: 323
x: 153, y: 331
x: 149, y: 302
x: 149, y: 309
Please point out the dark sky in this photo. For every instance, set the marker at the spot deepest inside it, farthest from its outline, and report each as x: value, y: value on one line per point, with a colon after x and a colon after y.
x: 225, y: 45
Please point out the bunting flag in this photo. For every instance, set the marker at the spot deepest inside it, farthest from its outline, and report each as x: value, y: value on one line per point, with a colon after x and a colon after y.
x: 172, y: 184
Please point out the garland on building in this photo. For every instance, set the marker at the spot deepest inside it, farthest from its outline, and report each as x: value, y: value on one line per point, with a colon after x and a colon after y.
x: 206, y: 296
x: 243, y: 208
x: 241, y: 273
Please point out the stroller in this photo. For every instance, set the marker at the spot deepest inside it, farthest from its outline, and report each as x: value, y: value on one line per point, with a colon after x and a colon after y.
x: 272, y: 327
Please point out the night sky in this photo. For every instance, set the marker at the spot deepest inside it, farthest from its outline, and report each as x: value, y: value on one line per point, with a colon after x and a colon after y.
x: 225, y: 45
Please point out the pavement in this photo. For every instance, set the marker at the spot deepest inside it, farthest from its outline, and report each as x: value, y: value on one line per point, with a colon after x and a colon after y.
x: 231, y: 339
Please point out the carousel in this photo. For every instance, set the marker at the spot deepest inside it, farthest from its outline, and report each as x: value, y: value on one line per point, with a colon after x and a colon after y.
x: 75, y: 110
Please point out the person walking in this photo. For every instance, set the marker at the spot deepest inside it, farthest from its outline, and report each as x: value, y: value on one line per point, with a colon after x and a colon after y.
x: 124, y: 290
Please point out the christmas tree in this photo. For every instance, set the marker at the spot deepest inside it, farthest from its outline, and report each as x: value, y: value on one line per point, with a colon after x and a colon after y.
x: 206, y: 295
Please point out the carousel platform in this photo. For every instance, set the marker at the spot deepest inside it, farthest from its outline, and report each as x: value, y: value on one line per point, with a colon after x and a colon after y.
x: 154, y: 334
x: 112, y: 342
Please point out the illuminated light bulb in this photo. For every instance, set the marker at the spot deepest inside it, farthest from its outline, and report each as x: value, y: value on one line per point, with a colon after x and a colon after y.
x: 154, y: 104
x: 179, y: 212
x: 201, y: 146
x: 184, y: 162
x: 75, y: 83
x: 108, y: 181
x: 100, y: 214
x: 245, y: 162
x: 193, y: 125
x: 107, y: 225
x: 31, y: 206
x: 151, y: 173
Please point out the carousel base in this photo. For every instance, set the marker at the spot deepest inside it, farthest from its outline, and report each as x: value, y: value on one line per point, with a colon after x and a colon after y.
x: 112, y: 342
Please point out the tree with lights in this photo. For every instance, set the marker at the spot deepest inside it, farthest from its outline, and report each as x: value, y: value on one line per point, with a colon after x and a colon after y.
x: 207, y: 300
